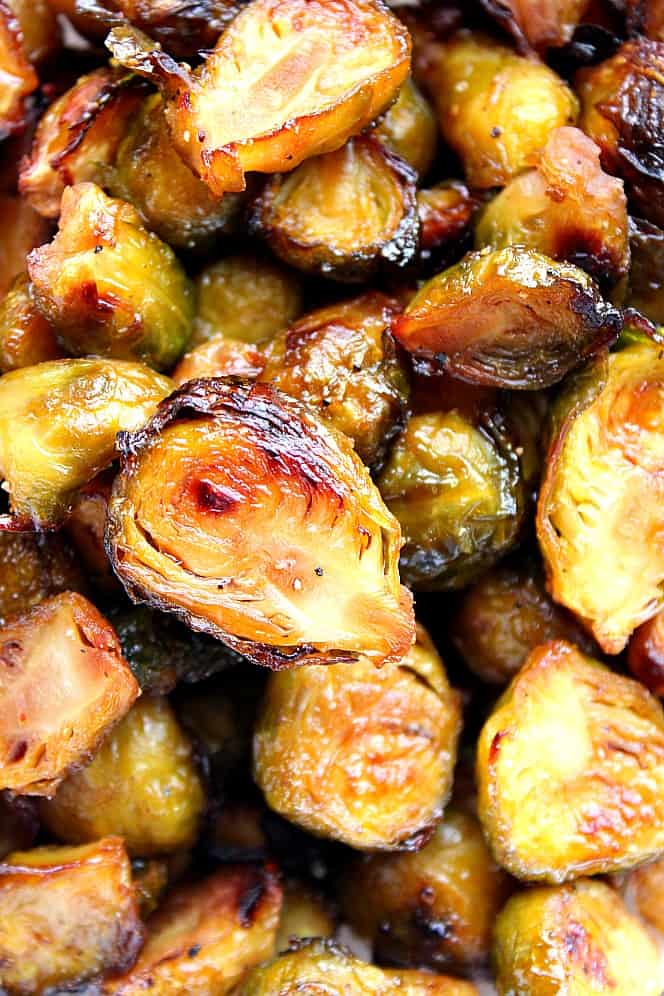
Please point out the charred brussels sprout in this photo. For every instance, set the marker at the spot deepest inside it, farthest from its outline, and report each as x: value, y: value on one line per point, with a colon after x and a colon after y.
x: 409, y: 128
x: 580, y: 937
x: 58, y: 423
x: 645, y: 654
x: 220, y: 357
x: 646, y: 275
x: 289, y: 79
x: 26, y: 337
x: 264, y: 529
x: 33, y: 567
x: 567, y: 208
x: 141, y: 785
x: 360, y: 754
x: 455, y: 486
x: 509, y: 318
x: 600, y: 504
x: 109, y: 286
x: 541, y: 24
x: 22, y: 230
x: 434, y: 907
x: 495, y: 108
x: 344, y: 214
x: 343, y: 361
x: 63, y: 685
x: 570, y: 769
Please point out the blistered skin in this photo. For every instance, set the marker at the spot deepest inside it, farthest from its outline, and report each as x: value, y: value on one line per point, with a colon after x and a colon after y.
x: 343, y: 361
x: 567, y: 208
x: 577, y: 939
x: 58, y: 423
x: 22, y: 230
x: 646, y: 274
x: 570, y: 769
x: 205, y: 937
x: 289, y: 79
x: 434, y: 907
x: 359, y: 754
x: 345, y: 214
x: 67, y: 916
x: 541, y: 24
x: 409, y: 128
x: 63, y: 685
x: 510, y: 318
x: 599, y: 517
x: 645, y: 654
x: 495, y: 108
x: 265, y: 529
x: 109, y: 286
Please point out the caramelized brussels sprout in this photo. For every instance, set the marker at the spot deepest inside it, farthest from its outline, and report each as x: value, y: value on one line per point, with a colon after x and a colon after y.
x: 220, y: 356
x: 541, y: 24
x: 645, y: 887
x: 78, y: 135
x: 358, y: 754
x: 434, y: 907
x: 22, y: 230
x: 33, y: 567
x: 205, y: 937
x: 409, y: 128
x: 19, y: 823
x: 343, y: 214
x: 19, y: 78
x: 58, y: 423
x: 63, y: 685
x: 287, y: 80
x: 455, y: 486
x: 622, y: 102
x: 67, y: 915
x: 109, y: 286
x: 343, y: 361
x: 264, y: 529
x: 645, y: 654
x: 246, y: 298
x: 646, y: 275
x: 579, y: 937
x: 304, y: 914
x: 570, y: 769
x: 551, y: 317
x: 567, y: 208
x: 26, y: 337
x: 445, y: 212
x: 495, y: 108
x: 141, y: 784
x: 600, y: 504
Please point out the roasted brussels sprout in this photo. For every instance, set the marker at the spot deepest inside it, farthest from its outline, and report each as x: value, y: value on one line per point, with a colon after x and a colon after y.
x: 645, y: 654
x: 58, y: 423
x: 304, y: 914
x: 576, y: 938
x: 600, y: 504
x: 205, y: 937
x: 495, y: 108
x: 109, y: 286
x: 245, y: 297
x: 646, y: 275
x: 344, y: 214
x: 22, y: 230
x: 78, y: 136
x: 358, y: 754
x: 455, y: 486
x: 645, y: 888
x: 567, y: 208
x: 220, y: 356
x: 551, y: 317
x: 445, y: 212
x: 409, y: 128
x: 26, y: 337
x: 67, y: 915
x: 284, y: 548
x: 287, y: 80
x: 570, y: 769
x: 33, y: 567
x: 40, y: 33
x: 622, y: 108
x: 19, y: 78
x: 435, y: 907
x: 343, y: 361
x: 541, y: 24
x: 63, y: 685
x: 141, y: 784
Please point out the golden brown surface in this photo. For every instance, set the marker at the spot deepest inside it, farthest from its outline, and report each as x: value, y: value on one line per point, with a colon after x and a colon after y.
x: 22, y: 230
x: 18, y: 74
x: 409, y: 128
x: 220, y: 356
x: 26, y: 337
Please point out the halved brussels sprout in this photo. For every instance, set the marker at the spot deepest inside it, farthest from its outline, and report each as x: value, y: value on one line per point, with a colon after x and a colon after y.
x: 78, y: 136
x: 287, y: 80
x: 435, y: 907
x: 26, y: 337
x: 250, y: 519
x: 64, y: 684
x: 409, y: 128
x: 359, y: 754
x: 205, y: 937
x: 141, y: 785
x: 247, y: 298
x: 110, y: 287
x: 33, y: 567
x: 600, y: 507
x: 509, y: 318
x: 304, y: 914
x: 445, y: 212
x: 343, y: 214
x: 645, y: 889
x: 455, y: 485
x: 67, y: 915
x: 22, y: 230
x: 495, y: 108
x: 570, y: 769
x: 19, y: 78
x: 577, y: 938
x: 220, y: 356
x: 58, y: 423
x: 621, y: 110
x: 567, y: 208
x: 541, y: 24
x: 343, y: 361
x: 645, y: 654
x: 646, y: 274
